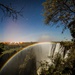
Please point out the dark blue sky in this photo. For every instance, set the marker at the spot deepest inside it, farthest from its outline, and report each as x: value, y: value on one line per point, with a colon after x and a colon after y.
x: 31, y: 27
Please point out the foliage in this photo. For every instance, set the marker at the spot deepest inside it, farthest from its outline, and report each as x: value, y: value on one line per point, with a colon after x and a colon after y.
x: 62, y: 11
x: 9, y: 49
x: 62, y: 66
x: 55, y: 67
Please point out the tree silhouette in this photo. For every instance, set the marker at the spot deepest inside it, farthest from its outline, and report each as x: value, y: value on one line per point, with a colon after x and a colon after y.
x: 10, y: 11
x: 62, y: 11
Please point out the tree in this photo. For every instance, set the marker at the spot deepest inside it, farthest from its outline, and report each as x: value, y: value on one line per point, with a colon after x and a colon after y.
x: 62, y: 11
x: 10, y: 11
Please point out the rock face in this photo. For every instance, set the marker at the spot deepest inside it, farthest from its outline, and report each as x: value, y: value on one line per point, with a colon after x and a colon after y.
x: 26, y: 61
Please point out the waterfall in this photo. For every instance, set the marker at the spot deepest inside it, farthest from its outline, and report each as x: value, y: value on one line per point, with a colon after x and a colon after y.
x: 27, y: 60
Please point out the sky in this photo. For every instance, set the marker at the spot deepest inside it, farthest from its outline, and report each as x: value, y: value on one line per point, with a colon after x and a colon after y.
x: 31, y: 26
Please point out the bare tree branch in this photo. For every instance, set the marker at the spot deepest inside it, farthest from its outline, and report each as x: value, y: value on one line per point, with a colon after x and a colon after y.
x: 10, y: 12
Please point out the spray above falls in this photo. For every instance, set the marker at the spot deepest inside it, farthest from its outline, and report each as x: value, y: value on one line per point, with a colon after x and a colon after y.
x: 26, y: 61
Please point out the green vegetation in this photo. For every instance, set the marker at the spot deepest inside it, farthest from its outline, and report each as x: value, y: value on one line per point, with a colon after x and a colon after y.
x: 9, y: 49
x: 59, y: 66
x: 55, y: 11
x: 63, y: 12
x: 60, y: 13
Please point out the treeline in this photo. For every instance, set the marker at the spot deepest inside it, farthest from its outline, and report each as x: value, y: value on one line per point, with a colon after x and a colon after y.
x: 9, y: 49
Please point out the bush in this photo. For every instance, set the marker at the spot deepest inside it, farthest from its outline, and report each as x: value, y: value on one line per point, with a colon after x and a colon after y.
x: 62, y: 66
